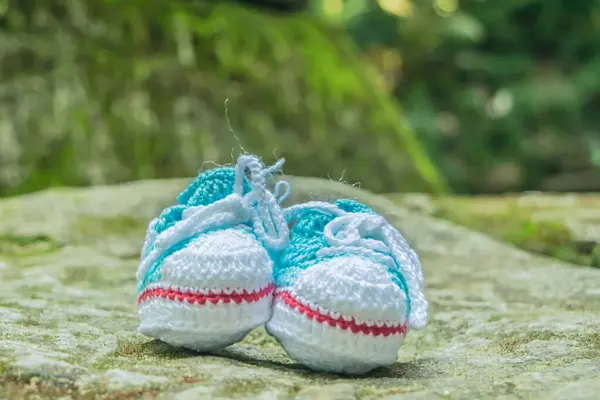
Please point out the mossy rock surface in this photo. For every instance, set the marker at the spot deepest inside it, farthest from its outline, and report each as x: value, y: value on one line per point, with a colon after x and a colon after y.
x: 504, y: 323
x: 564, y: 226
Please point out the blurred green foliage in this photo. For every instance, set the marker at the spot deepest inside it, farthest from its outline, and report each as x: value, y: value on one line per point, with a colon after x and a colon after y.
x: 504, y: 94
x: 107, y: 91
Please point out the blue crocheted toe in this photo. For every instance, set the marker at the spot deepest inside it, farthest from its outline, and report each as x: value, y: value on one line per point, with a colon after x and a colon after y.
x: 207, y: 188
x: 306, y: 239
x: 210, y: 186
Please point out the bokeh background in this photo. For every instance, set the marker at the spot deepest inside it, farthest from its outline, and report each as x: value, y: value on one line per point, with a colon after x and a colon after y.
x: 462, y: 96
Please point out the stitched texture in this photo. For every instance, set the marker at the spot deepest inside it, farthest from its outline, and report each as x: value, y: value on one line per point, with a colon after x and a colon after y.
x: 214, y: 296
x: 207, y: 188
x: 205, y: 274
x: 349, y: 272
x: 345, y: 323
x: 307, y: 239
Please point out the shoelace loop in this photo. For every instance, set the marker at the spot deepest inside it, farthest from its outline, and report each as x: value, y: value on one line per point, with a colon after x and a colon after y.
x: 267, y: 216
x: 356, y: 230
x: 371, y: 235
x: 259, y: 205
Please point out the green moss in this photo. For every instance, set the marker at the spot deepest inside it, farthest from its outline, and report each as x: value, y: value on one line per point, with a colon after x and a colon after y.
x: 19, y: 245
x: 154, y: 349
x: 11, y: 304
x: 30, y: 321
x: 93, y: 227
x: 595, y: 256
x: 592, y: 341
x: 12, y: 273
x: 516, y: 345
x: 513, y: 345
x: 259, y: 338
x: 544, y: 237
x: 241, y: 388
x: 503, y: 219
x: 16, y: 388
x: 551, y: 238
x: 37, y: 388
x: 6, y: 367
x: 91, y: 277
x: 378, y: 392
x: 74, y: 275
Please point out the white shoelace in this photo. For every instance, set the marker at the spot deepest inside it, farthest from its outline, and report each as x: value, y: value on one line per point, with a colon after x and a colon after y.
x: 267, y: 216
x: 259, y: 206
x: 371, y: 235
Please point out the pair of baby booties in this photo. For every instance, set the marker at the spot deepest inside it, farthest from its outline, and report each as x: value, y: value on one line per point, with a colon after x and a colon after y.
x: 336, y: 285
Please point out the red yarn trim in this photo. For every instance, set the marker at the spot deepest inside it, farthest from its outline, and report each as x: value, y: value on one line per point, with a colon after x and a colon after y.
x: 211, y: 297
x: 373, y: 330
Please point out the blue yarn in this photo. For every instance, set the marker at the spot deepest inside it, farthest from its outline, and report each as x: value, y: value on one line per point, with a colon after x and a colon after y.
x: 168, y: 217
x: 307, y: 239
x: 210, y: 186
x: 207, y: 188
x: 354, y: 206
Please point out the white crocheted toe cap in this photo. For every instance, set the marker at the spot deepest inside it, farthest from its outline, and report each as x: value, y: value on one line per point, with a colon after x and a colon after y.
x: 342, y: 315
x: 229, y: 258
x: 210, y: 293
x: 202, y: 321
x: 352, y: 286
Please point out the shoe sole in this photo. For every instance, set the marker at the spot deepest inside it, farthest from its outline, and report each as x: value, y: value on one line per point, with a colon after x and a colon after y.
x: 324, y: 343
x: 202, y: 320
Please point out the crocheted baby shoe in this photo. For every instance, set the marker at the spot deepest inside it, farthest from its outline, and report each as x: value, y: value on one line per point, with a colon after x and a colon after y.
x: 205, y: 277
x: 348, y: 289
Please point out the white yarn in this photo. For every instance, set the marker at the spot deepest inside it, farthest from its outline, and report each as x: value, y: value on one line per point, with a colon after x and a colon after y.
x: 201, y: 328
x: 357, y: 231
x: 223, y: 213
x: 325, y: 348
x: 374, y: 236
x: 150, y: 237
x: 317, y: 319
x: 259, y: 206
x: 268, y: 220
x: 212, y: 290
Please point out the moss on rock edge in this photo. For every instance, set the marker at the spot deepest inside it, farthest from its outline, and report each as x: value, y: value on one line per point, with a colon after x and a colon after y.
x: 559, y: 226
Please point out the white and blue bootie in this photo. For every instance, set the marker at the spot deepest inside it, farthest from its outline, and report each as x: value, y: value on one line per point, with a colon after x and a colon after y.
x: 206, y: 273
x: 348, y: 289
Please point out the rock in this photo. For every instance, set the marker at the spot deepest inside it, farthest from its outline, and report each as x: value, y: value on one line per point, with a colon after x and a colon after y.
x: 504, y: 323
x: 339, y: 391
x: 564, y: 226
